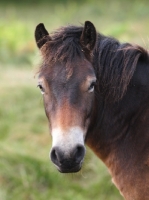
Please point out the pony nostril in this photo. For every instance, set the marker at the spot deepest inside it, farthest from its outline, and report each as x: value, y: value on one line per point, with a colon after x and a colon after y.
x: 79, y: 153
x: 55, y: 157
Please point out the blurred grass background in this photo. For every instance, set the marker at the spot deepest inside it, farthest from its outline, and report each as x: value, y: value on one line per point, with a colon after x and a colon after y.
x: 25, y: 170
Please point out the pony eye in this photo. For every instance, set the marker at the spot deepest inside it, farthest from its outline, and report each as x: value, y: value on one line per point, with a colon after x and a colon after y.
x: 41, y: 88
x: 91, y: 87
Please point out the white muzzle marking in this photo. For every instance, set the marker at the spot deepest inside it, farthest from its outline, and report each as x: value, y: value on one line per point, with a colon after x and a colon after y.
x: 67, y: 140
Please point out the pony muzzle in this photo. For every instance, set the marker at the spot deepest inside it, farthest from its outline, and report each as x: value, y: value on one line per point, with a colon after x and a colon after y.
x: 66, y: 164
x: 68, y: 150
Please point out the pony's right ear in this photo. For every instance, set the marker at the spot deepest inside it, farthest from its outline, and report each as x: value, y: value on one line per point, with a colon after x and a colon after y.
x: 41, y: 35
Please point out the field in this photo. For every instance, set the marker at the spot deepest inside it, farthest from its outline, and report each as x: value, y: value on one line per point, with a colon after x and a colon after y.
x: 26, y: 173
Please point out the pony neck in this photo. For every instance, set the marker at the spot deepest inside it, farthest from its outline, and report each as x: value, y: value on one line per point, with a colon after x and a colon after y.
x: 119, y: 140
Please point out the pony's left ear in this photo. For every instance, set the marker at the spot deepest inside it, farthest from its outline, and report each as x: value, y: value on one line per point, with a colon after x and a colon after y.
x: 88, y: 36
x: 41, y: 35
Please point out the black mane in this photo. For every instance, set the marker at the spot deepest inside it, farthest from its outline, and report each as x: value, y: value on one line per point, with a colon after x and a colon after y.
x: 114, y: 63
x: 65, y: 45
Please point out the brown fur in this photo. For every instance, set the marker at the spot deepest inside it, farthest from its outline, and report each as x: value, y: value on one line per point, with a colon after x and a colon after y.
x: 116, y: 115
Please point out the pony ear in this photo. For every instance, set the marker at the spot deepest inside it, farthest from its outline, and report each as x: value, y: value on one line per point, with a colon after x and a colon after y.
x: 88, y: 36
x: 41, y: 35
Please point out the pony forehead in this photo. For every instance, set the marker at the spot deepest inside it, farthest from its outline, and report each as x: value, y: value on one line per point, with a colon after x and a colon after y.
x: 82, y: 70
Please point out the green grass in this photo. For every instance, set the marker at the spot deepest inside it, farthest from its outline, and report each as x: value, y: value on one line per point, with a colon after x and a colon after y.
x: 25, y: 169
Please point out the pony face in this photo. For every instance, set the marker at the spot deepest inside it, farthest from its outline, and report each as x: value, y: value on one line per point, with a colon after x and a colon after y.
x: 67, y: 83
x: 68, y: 106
